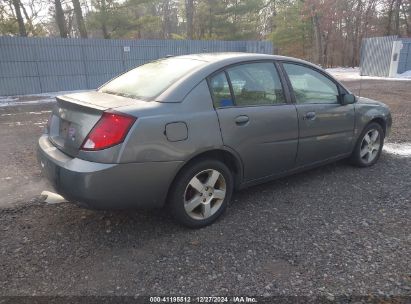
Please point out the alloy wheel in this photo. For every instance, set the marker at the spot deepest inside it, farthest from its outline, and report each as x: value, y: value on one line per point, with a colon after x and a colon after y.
x: 370, y: 146
x: 205, y: 194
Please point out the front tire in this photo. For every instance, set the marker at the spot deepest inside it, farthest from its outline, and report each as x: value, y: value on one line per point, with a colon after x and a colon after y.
x: 200, y: 193
x: 368, y: 149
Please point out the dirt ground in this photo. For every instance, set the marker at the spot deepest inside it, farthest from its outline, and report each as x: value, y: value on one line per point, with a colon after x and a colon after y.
x: 332, y: 231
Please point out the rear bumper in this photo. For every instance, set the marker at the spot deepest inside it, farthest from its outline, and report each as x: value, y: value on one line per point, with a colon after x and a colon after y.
x: 106, y: 186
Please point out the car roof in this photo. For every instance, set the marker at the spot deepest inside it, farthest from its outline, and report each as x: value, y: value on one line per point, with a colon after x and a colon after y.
x: 230, y: 56
x: 214, y: 62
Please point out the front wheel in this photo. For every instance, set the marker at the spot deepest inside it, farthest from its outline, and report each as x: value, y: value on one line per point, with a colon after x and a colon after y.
x: 368, y: 148
x: 200, y: 193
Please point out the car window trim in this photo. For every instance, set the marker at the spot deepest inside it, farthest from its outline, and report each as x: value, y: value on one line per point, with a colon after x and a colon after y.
x: 224, y: 69
x: 208, y: 80
x: 291, y: 89
x: 231, y: 88
x: 284, y: 82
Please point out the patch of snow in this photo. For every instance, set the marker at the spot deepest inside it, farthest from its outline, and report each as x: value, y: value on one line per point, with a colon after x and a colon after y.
x: 28, y: 102
x: 7, y: 99
x: 54, y: 94
x: 345, y: 73
x: 25, y: 113
x: 343, y: 70
x: 406, y: 74
x: 30, y: 99
x: 39, y: 113
x: 403, y: 149
x: 354, y: 74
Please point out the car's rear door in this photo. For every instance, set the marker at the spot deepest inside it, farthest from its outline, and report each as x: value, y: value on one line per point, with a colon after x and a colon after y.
x: 255, y: 119
x: 326, y: 127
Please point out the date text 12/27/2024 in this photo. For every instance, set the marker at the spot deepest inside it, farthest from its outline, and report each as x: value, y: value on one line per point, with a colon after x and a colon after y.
x: 181, y: 299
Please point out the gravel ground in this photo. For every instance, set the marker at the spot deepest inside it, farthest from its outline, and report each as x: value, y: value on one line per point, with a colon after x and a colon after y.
x: 20, y: 178
x: 332, y: 231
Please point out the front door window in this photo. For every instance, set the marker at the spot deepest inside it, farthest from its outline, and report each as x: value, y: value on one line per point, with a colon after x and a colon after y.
x: 256, y: 84
x: 310, y: 86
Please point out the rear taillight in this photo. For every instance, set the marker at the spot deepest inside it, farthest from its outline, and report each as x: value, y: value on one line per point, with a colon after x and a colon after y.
x: 109, y: 131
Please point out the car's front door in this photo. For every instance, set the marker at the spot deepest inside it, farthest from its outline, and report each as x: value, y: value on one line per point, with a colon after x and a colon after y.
x: 326, y: 127
x: 255, y: 119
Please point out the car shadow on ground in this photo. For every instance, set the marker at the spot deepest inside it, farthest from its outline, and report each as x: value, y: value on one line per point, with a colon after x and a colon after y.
x: 333, y: 179
x: 282, y: 230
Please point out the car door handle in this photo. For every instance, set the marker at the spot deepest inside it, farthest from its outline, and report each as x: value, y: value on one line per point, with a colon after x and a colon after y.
x: 309, y: 116
x: 241, y: 120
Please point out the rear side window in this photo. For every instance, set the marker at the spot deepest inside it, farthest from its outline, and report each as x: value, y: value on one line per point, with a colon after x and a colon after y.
x: 221, y: 91
x: 310, y: 86
x: 256, y: 84
x: 151, y: 79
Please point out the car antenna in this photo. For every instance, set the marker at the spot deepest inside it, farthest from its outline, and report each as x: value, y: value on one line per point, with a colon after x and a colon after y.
x: 359, y: 93
x: 361, y: 63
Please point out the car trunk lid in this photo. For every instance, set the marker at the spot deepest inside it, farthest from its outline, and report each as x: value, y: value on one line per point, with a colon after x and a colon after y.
x: 75, y: 115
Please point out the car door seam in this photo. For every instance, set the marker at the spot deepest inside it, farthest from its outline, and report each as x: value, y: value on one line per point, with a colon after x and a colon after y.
x: 292, y: 100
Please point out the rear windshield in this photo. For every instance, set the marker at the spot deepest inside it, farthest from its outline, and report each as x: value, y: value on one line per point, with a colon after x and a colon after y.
x: 151, y: 79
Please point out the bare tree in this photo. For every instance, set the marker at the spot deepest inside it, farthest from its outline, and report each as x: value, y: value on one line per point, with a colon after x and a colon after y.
x: 318, y: 37
x: 19, y: 17
x: 29, y: 20
x: 406, y: 11
x: 397, y: 17
x: 189, y: 5
x: 166, y: 19
x: 79, y: 18
x: 60, y: 19
x: 211, y: 15
x: 103, y: 19
x: 390, y: 16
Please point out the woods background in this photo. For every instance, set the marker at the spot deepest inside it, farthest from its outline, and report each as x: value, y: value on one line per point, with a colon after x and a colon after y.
x: 328, y: 32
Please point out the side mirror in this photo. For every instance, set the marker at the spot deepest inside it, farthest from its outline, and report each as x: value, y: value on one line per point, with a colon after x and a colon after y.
x: 347, y: 99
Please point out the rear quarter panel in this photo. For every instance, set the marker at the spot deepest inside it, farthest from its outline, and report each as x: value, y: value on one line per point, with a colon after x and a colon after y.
x: 147, y: 140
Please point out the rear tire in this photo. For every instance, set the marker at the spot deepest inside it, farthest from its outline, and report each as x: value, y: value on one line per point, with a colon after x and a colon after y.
x: 367, y: 151
x: 200, y: 193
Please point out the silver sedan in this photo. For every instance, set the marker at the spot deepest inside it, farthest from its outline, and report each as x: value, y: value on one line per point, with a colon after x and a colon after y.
x: 185, y: 132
